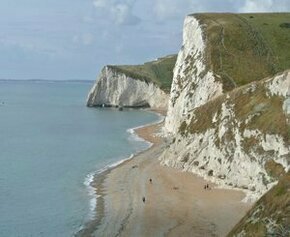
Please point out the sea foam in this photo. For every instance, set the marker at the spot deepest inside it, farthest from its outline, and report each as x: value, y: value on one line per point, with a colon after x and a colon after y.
x: 92, y: 192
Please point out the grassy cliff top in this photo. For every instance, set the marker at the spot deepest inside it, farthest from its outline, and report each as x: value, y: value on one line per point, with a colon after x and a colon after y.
x: 159, y: 71
x: 246, y: 47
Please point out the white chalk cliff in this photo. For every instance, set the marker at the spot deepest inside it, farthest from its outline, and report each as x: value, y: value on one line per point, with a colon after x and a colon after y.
x: 223, y: 137
x: 114, y: 88
x: 193, y: 83
x: 229, y: 138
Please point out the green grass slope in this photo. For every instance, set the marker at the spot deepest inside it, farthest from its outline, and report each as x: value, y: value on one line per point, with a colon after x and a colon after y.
x: 252, y: 108
x: 243, y: 48
x: 159, y: 72
x: 270, y: 216
x: 246, y: 47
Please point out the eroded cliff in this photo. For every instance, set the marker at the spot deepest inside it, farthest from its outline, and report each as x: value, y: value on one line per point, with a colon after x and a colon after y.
x: 228, y: 108
x: 193, y: 82
x: 134, y: 86
x: 234, y: 140
x: 225, y: 125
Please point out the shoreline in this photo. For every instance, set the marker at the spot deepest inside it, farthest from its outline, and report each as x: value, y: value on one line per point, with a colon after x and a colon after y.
x: 119, y: 188
x: 97, y: 182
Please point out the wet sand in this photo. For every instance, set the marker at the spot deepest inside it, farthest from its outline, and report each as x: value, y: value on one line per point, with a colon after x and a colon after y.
x: 176, y: 203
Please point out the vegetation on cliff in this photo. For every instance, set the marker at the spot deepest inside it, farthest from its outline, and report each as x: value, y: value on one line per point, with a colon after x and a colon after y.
x: 246, y: 47
x: 252, y: 108
x: 270, y: 216
x: 159, y: 71
x: 242, y: 50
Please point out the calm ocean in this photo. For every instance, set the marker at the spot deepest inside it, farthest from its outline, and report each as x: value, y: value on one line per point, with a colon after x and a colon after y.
x: 50, y: 143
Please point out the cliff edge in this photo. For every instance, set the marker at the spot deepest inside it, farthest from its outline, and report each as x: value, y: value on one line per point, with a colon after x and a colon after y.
x: 221, y: 52
x: 136, y: 86
x: 228, y: 113
x: 228, y: 107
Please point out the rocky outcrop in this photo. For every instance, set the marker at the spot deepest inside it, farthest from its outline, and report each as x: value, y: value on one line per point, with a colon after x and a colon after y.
x: 224, y: 121
x: 233, y: 139
x: 227, y: 137
x: 194, y: 84
x: 114, y: 88
x: 224, y: 125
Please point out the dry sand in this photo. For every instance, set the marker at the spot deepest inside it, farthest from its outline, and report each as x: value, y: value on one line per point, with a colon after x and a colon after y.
x: 176, y: 203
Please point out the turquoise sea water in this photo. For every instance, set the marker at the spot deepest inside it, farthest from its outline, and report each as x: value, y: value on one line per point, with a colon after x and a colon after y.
x: 49, y: 143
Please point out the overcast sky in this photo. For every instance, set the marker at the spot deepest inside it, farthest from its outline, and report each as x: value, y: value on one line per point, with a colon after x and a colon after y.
x: 74, y: 39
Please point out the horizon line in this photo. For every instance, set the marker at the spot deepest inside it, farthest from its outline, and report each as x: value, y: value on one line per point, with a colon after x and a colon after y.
x: 53, y: 80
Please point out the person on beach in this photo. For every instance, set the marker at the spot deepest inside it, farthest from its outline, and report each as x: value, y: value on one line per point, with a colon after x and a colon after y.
x: 207, y: 187
x: 143, y: 199
x: 150, y: 180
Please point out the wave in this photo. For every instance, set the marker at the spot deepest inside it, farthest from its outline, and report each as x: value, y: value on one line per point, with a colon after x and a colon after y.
x: 134, y: 136
x: 92, y: 191
x: 92, y: 194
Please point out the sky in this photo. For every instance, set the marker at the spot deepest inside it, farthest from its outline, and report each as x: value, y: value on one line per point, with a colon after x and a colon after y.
x: 74, y: 39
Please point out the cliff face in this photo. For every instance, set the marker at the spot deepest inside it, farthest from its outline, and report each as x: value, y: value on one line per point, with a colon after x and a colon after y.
x: 193, y: 82
x: 115, y: 88
x: 227, y: 127
x: 227, y: 123
x: 221, y: 52
x: 236, y: 139
x: 228, y: 108
x: 145, y: 85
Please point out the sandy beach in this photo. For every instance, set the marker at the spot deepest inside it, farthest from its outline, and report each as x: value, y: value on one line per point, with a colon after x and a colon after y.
x: 176, y: 203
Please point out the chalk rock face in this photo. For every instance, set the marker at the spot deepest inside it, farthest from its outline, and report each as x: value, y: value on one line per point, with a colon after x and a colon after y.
x: 193, y: 83
x: 240, y: 139
x: 237, y: 139
x: 114, y: 88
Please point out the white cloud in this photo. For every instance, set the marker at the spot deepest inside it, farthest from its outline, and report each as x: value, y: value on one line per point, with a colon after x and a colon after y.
x: 88, y: 19
x: 120, y: 12
x: 75, y: 39
x: 265, y: 6
x: 254, y: 6
x: 100, y: 3
x: 173, y: 9
x: 123, y: 15
x: 165, y: 9
x: 119, y: 48
x: 85, y: 39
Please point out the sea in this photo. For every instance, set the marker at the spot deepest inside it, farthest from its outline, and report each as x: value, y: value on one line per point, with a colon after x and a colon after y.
x: 51, y: 145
